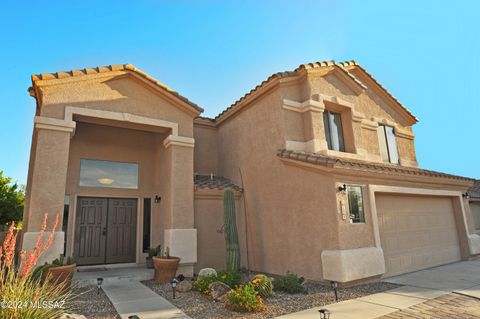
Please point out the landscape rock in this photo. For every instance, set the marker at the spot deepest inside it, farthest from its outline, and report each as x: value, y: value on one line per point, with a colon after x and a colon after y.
x: 184, y: 286
x: 219, y: 290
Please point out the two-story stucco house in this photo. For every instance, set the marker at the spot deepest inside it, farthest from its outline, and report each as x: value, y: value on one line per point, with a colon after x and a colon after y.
x: 322, y: 160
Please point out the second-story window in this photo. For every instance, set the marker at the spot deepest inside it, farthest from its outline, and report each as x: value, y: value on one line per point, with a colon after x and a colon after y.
x: 388, y: 144
x: 333, y: 131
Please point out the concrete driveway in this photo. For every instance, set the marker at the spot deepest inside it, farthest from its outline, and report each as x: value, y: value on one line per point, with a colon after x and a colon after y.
x: 420, y: 288
x: 462, y: 277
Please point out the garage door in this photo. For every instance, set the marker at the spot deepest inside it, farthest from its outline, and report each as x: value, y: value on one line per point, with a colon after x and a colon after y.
x: 416, y: 232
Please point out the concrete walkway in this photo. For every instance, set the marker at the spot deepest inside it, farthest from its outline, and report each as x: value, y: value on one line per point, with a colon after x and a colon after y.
x: 129, y: 297
x: 132, y: 298
x: 420, y: 286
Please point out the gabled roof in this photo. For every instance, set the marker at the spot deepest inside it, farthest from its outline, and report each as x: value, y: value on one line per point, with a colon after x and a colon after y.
x: 342, y: 67
x: 377, y: 168
x: 127, y: 68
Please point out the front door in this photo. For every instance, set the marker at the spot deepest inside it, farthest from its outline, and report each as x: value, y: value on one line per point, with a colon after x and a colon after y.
x: 105, y: 230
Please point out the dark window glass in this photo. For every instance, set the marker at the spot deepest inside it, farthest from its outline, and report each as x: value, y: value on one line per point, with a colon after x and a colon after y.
x: 66, y: 208
x: 355, y: 204
x: 147, y: 220
x: 388, y: 144
x: 333, y: 131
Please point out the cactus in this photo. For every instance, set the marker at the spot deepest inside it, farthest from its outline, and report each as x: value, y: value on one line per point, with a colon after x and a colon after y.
x: 207, y: 272
x: 231, y: 234
x: 263, y: 285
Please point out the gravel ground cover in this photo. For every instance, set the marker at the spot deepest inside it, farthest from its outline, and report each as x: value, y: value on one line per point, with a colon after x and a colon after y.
x: 200, y: 306
x: 91, y: 304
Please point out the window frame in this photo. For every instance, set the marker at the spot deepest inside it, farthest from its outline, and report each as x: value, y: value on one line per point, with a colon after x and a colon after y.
x: 361, y: 218
x: 388, y: 145
x: 328, y: 118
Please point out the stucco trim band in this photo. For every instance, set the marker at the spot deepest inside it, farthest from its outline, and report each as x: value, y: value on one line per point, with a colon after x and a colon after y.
x: 474, y: 244
x: 47, y: 123
x: 182, y: 243
x: 305, y: 106
x: 117, y: 116
x: 352, y: 264
x: 179, y: 141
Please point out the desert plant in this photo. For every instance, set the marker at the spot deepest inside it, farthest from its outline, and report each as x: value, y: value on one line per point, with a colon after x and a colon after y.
x: 25, y: 296
x: 60, y: 261
x: 205, y: 272
x: 230, y: 278
x: 152, y: 252
x: 290, y: 283
x: 263, y: 285
x: 201, y: 284
x: 245, y: 299
x: 231, y: 234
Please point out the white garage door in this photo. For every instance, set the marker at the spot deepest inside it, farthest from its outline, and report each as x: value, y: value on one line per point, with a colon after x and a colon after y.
x: 416, y: 232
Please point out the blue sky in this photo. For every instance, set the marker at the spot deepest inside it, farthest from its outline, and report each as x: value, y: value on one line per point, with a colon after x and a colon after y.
x: 213, y: 52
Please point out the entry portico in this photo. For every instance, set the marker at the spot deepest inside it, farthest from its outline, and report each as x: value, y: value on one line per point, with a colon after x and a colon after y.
x: 85, y: 125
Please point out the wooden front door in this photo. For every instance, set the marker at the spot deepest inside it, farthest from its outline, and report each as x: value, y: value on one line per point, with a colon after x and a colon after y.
x: 105, y: 230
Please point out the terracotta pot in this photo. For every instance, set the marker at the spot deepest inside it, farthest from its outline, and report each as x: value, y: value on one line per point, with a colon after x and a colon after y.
x: 165, y: 269
x: 60, y: 275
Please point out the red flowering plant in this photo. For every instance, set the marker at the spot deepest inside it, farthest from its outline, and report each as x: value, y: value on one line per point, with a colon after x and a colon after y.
x: 22, y: 296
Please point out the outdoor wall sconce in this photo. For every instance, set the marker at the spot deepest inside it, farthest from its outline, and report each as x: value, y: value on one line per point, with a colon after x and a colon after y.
x: 157, y: 199
x: 342, y: 188
x: 334, y: 285
x: 466, y: 195
x: 324, y: 313
x: 174, y: 286
x: 99, y: 284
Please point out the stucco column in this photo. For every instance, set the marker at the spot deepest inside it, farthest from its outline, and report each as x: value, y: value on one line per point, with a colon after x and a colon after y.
x: 313, y: 126
x: 180, y: 236
x: 47, y: 179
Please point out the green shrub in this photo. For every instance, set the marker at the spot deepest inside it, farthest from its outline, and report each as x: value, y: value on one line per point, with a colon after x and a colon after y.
x: 290, y: 283
x: 262, y: 285
x: 231, y: 278
x: 201, y: 284
x: 245, y: 299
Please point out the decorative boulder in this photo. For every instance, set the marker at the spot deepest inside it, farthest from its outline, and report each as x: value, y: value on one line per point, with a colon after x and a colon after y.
x: 184, y: 286
x: 219, y: 290
x: 207, y: 272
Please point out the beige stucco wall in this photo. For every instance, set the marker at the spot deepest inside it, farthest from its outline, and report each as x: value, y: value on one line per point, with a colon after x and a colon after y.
x: 208, y: 222
x: 206, y: 149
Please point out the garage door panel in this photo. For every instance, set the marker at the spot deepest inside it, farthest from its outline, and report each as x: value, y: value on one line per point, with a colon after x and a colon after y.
x: 416, y: 232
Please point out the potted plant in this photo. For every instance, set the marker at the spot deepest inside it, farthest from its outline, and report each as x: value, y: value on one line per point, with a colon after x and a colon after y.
x: 165, y: 266
x: 151, y: 252
x: 59, y: 272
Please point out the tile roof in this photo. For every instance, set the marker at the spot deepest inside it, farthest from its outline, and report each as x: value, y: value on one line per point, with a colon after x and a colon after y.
x: 335, y: 162
x: 215, y: 182
x: 474, y: 191
x: 341, y: 66
x: 112, y: 68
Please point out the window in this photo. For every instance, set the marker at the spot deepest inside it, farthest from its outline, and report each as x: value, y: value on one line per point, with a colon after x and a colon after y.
x: 66, y: 208
x: 94, y: 173
x: 355, y: 204
x: 388, y: 144
x: 333, y: 131
x: 147, y: 218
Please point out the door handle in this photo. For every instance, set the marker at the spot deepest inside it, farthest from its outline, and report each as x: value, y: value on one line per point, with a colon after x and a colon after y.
x: 104, y: 232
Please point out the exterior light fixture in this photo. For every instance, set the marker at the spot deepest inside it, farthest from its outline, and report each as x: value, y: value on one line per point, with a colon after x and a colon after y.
x: 99, y: 284
x: 342, y: 188
x: 466, y: 195
x: 334, y: 285
x: 324, y: 313
x: 174, y: 286
x: 105, y: 181
x: 157, y: 199
x: 133, y: 317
